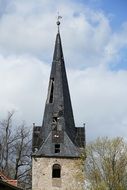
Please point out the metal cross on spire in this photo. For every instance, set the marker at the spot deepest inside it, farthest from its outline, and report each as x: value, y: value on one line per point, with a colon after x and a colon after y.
x: 58, y: 21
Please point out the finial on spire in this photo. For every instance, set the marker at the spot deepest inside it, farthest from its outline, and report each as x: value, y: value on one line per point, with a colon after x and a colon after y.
x: 58, y: 21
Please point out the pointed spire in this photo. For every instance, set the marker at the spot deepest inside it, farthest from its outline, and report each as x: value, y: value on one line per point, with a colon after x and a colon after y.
x: 58, y: 52
x: 58, y: 122
x: 58, y: 99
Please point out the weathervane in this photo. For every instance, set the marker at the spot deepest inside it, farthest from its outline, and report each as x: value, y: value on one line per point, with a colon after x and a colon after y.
x: 58, y: 21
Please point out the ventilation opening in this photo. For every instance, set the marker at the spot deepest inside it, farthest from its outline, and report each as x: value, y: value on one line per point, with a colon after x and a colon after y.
x: 51, y: 90
x: 54, y: 119
x: 57, y: 148
x: 56, y: 171
x: 55, y: 123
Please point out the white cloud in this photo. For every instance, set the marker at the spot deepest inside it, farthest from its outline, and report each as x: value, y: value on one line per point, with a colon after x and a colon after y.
x: 27, y: 35
x: 117, y: 42
x: 28, y: 27
x: 99, y: 99
x: 23, y: 82
x: 98, y: 95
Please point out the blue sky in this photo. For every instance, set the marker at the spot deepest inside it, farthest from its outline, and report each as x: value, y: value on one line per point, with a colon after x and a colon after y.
x: 116, y: 11
x: 119, y: 11
x: 94, y: 38
x: 114, y: 8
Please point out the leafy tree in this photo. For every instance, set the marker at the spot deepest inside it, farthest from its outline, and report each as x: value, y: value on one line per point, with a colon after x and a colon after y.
x: 106, y: 164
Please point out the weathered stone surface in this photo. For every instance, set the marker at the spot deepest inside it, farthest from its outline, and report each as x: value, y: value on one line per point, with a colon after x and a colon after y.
x: 71, y: 174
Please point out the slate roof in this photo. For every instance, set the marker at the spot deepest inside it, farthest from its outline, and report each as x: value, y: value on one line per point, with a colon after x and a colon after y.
x: 58, y: 117
x: 68, y: 149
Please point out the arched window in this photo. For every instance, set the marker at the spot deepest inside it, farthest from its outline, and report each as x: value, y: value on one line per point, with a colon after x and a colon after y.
x: 56, y: 171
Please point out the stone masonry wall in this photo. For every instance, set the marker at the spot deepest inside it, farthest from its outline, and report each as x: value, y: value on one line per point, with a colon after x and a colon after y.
x: 72, y: 175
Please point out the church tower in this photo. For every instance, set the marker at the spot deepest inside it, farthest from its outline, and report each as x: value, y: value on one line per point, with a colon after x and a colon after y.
x: 57, y: 144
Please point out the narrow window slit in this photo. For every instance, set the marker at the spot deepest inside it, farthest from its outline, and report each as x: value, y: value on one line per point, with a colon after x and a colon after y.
x: 54, y: 123
x: 57, y: 148
x: 56, y: 171
x: 51, y: 90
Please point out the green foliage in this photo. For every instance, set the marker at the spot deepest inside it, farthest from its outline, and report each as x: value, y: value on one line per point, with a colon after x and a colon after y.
x: 106, y: 164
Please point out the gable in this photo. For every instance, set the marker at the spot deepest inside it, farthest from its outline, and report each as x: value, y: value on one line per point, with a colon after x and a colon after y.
x: 67, y: 148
